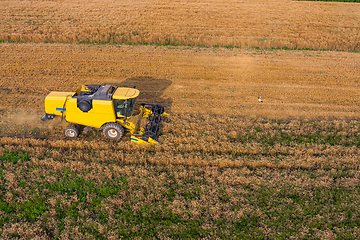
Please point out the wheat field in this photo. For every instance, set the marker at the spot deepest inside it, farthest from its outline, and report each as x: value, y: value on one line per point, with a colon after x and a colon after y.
x: 212, y: 176
x: 258, y: 23
x: 307, y: 84
x: 227, y: 167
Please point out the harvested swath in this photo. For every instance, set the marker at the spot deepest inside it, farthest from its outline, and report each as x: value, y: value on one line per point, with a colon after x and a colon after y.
x: 210, y: 140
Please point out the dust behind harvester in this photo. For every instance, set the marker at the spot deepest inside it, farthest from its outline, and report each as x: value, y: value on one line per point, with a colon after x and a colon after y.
x: 108, y: 108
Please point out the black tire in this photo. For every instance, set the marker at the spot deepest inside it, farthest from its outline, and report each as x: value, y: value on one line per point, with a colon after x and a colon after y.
x: 113, y: 131
x: 71, y: 132
x: 79, y: 127
x: 84, y: 105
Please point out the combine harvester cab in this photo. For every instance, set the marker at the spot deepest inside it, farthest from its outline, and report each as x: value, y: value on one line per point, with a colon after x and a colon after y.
x: 107, y: 108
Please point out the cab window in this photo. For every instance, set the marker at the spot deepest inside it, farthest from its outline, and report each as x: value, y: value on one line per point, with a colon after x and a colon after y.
x: 124, y: 107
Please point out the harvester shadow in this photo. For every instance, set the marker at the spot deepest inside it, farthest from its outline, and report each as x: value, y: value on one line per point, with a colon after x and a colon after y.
x: 151, y: 90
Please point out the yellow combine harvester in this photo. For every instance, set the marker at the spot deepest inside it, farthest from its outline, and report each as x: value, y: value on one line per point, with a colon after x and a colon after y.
x: 108, y: 108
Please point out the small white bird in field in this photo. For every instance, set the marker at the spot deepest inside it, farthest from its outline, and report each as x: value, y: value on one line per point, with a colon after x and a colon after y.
x: 260, y: 100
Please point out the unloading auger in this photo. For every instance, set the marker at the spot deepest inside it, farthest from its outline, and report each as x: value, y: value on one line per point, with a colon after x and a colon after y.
x: 107, y: 108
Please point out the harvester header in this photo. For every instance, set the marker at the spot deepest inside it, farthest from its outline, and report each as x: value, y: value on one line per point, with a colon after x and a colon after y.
x: 107, y: 108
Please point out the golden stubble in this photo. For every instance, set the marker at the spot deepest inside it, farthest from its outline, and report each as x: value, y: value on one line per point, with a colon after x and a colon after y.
x: 298, y: 84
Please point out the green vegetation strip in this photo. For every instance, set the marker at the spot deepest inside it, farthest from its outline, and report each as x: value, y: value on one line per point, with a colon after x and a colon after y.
x: 171, y: 44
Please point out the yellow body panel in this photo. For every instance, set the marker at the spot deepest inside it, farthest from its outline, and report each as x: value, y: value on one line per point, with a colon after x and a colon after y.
x: 126, y: 93
x: 82, y: 88
x: 128, y: 123
x: 54, y: 102
x: 102, y: 112
x: 138, y: 140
